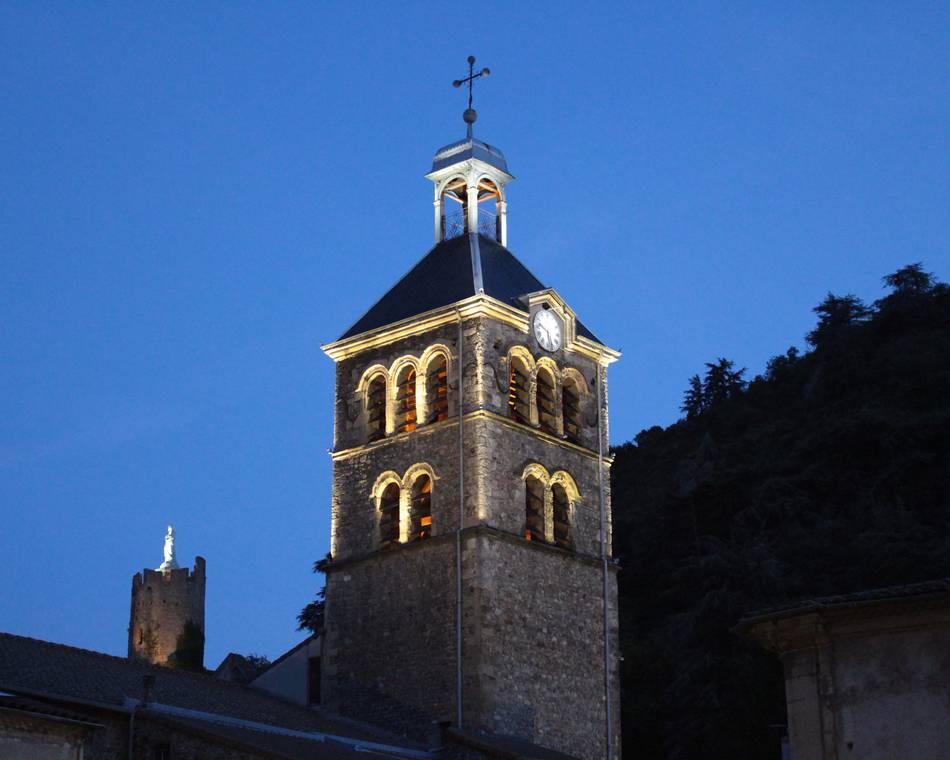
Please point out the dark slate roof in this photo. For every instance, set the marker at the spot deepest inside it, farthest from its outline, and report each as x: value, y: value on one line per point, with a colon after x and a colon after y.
x: 32, y: 667
x: 932, y: 588
x: 35, y: 707
x: 452, y: 271
x: 273, y: 745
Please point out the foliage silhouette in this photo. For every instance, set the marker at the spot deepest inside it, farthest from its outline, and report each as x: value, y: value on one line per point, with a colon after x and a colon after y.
x: 828, y: 474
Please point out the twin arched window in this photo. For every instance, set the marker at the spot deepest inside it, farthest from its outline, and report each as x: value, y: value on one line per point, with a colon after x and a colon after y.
x: 549, y: 506
x: 541, y: 395
x: 410, y: 393
x: 404, y: 505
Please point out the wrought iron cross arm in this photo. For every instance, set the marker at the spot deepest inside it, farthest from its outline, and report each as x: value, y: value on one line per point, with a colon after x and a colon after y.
x: 470, y: 79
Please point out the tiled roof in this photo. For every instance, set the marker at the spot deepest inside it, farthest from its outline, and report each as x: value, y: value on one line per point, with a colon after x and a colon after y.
x: 938, y: 587
x: 275, y: 745
x: 452, y: 271
x: 31, y: 666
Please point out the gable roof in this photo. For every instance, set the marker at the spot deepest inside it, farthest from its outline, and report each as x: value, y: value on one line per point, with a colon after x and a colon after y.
x: 452, y: 271
x: 33, y: 667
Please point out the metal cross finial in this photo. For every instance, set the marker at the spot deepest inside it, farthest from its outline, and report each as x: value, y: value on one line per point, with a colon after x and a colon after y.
x: 469, y: 116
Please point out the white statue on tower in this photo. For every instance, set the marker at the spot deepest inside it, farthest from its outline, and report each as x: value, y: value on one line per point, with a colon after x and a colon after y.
x: 170, y: 562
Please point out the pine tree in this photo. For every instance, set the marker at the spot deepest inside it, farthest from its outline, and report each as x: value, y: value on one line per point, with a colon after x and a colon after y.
x: 721, y: 382
x: 693, y: 403
x: 836, y: 314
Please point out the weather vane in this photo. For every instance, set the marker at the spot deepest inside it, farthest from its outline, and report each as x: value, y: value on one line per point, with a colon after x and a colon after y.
x: 469, y: 116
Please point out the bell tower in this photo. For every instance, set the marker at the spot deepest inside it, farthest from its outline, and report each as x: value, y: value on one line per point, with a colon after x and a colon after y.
x: 470, y: 578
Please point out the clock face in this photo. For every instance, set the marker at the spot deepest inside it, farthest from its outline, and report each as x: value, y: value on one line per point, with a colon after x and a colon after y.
x: 547, y: 330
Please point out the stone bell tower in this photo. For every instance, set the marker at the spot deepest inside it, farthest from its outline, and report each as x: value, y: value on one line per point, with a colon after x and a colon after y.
x: 167, y: 621
x: 470, y: 578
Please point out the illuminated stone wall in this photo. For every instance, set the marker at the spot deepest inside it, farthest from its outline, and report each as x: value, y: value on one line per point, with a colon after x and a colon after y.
x: 389, y: 642
x: 534, y: 657
x: 533, y: 617
x: 163, y: 602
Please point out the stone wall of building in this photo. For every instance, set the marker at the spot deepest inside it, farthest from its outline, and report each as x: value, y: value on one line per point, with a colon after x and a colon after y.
x: 35, y: 737
x: 389, y: 641
x: 534, y: 656
x: 533, y: 628
x: 866, y: 675
x: 163, y: 603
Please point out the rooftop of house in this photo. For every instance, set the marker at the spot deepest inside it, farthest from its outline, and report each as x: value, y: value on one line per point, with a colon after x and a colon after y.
x: 908, y: 592
x: 33, y: 669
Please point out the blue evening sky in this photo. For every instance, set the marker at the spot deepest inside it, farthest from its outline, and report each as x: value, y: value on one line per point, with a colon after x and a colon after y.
x: 195, y: 196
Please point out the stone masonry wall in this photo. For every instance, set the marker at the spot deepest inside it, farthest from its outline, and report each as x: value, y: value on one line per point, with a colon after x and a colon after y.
x: 503, y: 453
x: 533, y: 614
x: 534, y: 645
x: 162, y: 603
x: 389, y: 643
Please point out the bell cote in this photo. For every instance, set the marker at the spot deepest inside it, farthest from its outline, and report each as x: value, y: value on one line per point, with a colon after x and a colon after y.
x: 469, y: 179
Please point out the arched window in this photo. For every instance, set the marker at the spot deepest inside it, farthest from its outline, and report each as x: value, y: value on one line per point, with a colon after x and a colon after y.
x: 489, y: 216
x: 571, y: 408
x: 562, y: 516
x: 547, y: 405
x: 420, y: 509
x: 534, y: 509
x: 518, y: 406
x: 406, y: 400
x: 454, y: 205
x: 376, y: 408
x: 437, y: 390
x: 389, y: 516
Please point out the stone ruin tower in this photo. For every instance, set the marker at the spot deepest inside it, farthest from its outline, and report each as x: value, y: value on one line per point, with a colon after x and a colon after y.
x: 470, y: 578
x: 167, y: 621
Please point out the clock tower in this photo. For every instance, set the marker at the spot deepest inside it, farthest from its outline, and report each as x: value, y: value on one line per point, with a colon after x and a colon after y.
x: 470, y: 581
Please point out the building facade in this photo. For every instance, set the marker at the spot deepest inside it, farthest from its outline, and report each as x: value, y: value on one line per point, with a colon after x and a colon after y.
x: 470, y: 580
x: 866, y: 674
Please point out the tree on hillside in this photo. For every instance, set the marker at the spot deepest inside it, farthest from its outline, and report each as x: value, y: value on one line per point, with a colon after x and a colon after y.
x: 693, y: 398
x: 836, y: 314
x: 722, y: 382
x: 779, y: 366
x: 910, y: 280
x: 831, y: 474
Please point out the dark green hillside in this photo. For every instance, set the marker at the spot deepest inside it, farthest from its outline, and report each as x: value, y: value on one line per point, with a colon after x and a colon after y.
x: 828, y: 474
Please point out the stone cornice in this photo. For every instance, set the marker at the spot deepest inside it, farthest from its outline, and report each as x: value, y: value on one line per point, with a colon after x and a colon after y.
x: 478, y: 414
x: 481, y: 529
x: 474, y: 306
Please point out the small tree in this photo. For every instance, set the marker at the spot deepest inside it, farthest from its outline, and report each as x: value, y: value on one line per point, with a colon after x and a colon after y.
x: 693, y: 403
x: 259, y: 662
x: 778, y: 366
x: 910, y: 280
x: 721, y: 382
x: 311, y: 616
x: 189, y: 651
x: 835, y: 315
